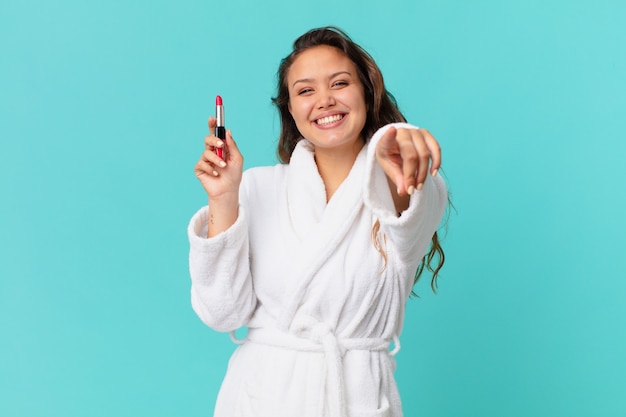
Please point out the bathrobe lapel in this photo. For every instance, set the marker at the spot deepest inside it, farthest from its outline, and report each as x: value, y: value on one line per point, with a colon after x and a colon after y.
x: 320, y: 227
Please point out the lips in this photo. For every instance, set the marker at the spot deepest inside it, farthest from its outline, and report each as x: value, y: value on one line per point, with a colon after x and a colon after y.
x: 323, y: 121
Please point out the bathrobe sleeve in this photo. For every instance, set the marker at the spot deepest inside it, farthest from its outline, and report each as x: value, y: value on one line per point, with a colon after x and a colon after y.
x: 411, y: 232
x: 222, y: 294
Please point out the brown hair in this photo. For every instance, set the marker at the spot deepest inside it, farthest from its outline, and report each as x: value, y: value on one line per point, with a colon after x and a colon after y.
x: 381, y: 107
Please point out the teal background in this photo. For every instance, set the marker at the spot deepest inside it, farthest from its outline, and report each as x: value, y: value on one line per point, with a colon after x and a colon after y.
x: 103, y: 107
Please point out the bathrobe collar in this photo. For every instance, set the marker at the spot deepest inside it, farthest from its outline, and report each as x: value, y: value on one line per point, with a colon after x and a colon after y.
x: 319, y: 226
x: 306, y: 193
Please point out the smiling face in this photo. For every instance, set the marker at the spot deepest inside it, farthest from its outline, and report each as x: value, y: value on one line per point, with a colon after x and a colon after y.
x: 326, y: 99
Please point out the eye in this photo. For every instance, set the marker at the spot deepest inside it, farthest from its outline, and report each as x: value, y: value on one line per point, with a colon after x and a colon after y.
x: 340, y: 84
x: 304, y: 91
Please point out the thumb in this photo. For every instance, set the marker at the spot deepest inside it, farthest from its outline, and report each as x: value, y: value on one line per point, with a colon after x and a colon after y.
x: 387, y: 141
x: 385, y: 149
x: 233, y: 149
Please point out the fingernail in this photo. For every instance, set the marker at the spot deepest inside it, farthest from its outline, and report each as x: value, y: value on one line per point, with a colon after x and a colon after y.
x: 215, y: 173
x: 410, y: 190
x: 398, y: 190
x: 434, y: 172
x: 420, y: 185
x: 219, y: 143
x: 222, y: 164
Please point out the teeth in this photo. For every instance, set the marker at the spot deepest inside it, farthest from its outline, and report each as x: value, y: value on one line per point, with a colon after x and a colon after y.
x: 329, y: 119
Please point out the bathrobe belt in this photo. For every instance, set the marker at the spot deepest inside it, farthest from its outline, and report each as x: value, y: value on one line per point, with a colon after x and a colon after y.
x: 313, y: 336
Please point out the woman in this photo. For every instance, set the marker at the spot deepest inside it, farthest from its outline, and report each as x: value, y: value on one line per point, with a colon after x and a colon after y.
x: 317, y: 255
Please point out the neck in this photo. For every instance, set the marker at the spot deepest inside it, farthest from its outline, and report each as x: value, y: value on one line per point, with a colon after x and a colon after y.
x: 334, y: 165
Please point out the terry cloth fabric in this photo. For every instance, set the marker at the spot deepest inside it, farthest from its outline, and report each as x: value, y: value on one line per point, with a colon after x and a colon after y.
x: 322, y: 306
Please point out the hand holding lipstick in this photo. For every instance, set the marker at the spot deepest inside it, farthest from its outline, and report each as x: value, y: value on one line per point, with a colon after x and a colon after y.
x: 217, y: 175
x: 220, y: 178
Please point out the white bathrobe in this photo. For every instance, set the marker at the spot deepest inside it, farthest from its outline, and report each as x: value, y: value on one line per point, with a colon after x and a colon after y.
x: 323, y: 308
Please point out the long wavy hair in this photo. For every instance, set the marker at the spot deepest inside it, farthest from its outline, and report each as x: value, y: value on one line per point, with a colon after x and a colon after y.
x: 381, y: 107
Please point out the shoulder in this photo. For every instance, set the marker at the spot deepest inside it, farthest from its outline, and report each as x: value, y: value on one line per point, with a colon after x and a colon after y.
x: 263, y: 181
x: 262, y: 174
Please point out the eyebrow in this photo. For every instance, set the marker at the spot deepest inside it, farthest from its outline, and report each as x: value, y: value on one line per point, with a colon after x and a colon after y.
x: 307, y: 80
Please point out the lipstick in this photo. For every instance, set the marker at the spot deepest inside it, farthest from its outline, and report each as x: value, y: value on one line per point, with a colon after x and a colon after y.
x: 220, y: 130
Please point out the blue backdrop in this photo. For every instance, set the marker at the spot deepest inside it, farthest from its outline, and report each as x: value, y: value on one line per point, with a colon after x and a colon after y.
x: 103, y: 107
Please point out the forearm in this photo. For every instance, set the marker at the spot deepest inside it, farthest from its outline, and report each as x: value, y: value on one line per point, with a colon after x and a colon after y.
x: 222, y: 294
x: 223, y: 212
x: 408, y: 222
x: 401, y: 202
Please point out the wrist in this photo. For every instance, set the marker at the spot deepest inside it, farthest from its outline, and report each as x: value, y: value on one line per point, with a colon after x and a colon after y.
x: 227, y: 198
x: 223, y: 212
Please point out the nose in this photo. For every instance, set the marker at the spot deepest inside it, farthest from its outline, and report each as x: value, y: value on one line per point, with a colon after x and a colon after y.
x: 326, y: 99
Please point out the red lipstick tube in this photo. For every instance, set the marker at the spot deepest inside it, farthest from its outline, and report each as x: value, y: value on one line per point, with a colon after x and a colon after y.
x: 220, y: 130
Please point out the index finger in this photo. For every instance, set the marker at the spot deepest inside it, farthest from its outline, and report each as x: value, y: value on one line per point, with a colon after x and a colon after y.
x: 212, y: 125
x: 386, y: 149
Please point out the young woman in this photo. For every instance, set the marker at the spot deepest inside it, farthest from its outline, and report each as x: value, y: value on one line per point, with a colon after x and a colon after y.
x: 318, y: 255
